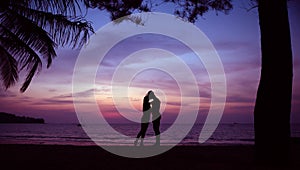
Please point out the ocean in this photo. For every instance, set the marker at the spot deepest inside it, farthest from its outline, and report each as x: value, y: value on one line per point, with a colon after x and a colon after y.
x: 72, y: 134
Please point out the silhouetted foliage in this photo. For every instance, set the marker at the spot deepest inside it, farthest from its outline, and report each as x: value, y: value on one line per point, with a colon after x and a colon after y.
x: 191, y: 9
x: 11, y: 118
x: 32, y: 29
x: 118, y: 8
x: 188, y: 9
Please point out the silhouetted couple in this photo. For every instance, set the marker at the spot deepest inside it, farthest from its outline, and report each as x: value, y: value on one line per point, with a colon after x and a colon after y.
x: 151, y: 104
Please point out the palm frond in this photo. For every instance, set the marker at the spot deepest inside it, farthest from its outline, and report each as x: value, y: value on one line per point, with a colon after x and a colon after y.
x: 63, y: 30
x: 26, y: 57
x: 31, y: 34
x: 30, y: 75
x: 8, y: 68
x: 18, y: 48
x: 64, y: 7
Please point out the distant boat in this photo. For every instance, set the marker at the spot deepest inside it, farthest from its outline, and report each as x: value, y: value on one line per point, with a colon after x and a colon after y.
x: 233, y: 124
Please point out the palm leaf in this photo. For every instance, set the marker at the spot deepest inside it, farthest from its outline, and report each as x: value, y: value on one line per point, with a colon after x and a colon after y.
x: 8, y: 68
x: 32, y: 35
x: 63, y: 30
x: 26, y: 56
x: 30, y: 75
x: 17, y: 48
x: 64, y: 7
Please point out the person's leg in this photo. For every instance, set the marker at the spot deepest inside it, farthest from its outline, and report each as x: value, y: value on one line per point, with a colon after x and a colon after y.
x: 137, y: 137
x: 141, y: 131
x: 140, y: 134
x: 156, y: 125
x: 144, y: 127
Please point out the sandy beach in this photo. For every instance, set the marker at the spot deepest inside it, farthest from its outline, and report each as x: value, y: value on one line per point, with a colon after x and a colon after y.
x: 16, y: 156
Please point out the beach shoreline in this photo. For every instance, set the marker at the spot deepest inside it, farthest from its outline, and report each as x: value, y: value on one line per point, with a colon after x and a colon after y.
x: 28, y: 156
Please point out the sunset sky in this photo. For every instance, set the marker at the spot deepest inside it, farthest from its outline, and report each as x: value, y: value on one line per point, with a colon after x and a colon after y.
x: 235, y: 37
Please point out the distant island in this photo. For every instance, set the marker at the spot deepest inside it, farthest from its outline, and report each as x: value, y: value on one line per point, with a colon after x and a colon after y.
x: 11, y: 118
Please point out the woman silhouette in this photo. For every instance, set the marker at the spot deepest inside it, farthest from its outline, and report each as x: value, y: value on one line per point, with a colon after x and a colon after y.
x: 144, y: 120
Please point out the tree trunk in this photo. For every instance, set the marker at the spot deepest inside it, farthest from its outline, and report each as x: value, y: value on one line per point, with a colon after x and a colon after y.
x: 273, y: 101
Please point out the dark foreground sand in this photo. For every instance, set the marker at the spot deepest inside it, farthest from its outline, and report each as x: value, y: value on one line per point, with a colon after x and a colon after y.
x: 93, y: 157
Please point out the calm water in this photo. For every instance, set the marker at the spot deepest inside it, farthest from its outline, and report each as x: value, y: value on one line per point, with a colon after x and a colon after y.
x: 71, y: 134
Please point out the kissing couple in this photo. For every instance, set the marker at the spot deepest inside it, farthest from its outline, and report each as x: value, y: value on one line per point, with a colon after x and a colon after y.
x: 151, y: 104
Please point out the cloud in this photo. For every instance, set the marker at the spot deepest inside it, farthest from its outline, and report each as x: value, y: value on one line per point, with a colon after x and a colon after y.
x: 53, y: 102
x: 52, y: 90
x: 63, y: 96
x: 7, y: 93
x: 229, y: 45
x: 134, y: 99
x: 84, y: 94
x: 240, y: 99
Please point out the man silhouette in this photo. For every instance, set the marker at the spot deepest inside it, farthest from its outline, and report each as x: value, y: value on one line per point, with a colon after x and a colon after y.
x: 156, y: 116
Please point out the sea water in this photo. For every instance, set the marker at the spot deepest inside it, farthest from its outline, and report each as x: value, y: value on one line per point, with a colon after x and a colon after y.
x: 73, y: 134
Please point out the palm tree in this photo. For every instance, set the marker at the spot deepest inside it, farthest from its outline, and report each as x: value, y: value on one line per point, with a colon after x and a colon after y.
x: 31, y: 30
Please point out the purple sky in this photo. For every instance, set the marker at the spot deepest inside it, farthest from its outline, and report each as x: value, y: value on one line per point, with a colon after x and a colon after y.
x: 235, y: 37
